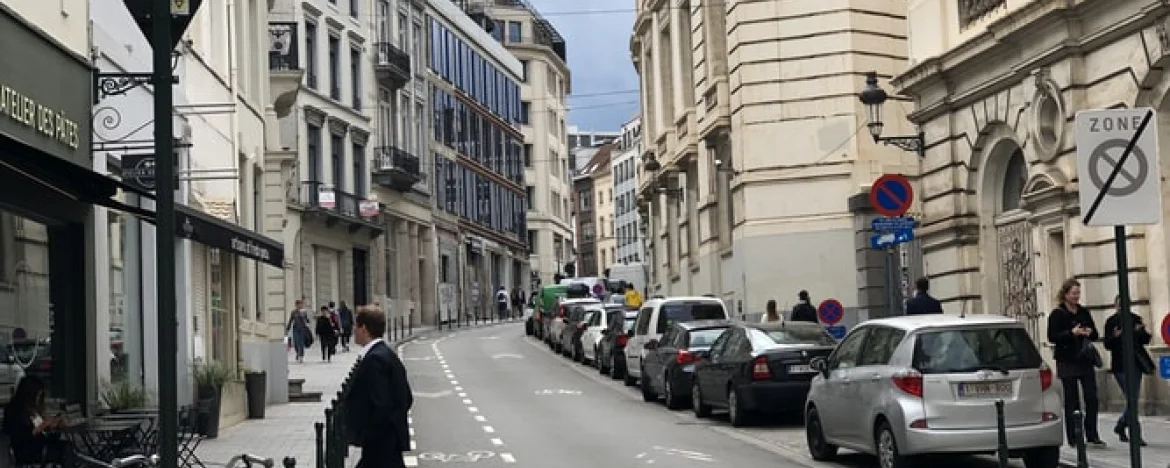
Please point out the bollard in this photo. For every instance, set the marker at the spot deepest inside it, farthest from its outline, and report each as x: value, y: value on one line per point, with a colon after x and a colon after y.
x: 289, y: 462
x: 410, y: 324
x: 320, y: 428
x: 329, y: 446
x: 1079, y: 439
x: 1001, y: 429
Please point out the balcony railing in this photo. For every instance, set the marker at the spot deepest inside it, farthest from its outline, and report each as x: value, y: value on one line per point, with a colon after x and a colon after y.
x: 396, y: 168
x: 971, y: 11
x: 319, y: 196
x: 282, y: 49
x: 392, y: 65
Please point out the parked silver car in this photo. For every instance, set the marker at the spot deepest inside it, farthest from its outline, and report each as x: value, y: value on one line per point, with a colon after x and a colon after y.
x: 906, y: 386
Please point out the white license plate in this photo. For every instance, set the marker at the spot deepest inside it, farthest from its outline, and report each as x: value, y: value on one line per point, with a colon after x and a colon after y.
x: 800, y: 369
x: 985, y: 389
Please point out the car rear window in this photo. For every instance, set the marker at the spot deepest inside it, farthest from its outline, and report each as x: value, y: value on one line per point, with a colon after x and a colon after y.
x: 676, y: 312
x: 705, y: 337
x: 630, y: 321
x: 809, y: 336
x: 970, y: 350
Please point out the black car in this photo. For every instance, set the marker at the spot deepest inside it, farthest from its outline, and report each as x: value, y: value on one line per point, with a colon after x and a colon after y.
x: 576, y: 315
x: 611, y: 353
x: 668, y: 367
x: 753, y: 369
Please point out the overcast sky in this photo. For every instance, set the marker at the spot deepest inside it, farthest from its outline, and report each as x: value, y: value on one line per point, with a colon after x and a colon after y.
x: 604, y: 83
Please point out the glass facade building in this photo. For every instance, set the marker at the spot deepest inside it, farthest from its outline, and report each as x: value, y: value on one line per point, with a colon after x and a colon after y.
x: 477, y: 118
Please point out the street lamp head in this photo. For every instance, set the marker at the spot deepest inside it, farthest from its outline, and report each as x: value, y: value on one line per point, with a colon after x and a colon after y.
x: 873, y: 96
x: 652, y: 165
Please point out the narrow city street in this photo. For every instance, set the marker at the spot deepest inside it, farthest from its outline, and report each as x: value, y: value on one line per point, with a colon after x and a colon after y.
x: 493, y: 397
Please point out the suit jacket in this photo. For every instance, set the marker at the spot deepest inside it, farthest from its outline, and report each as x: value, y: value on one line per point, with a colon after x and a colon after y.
x: 923, y: 304
x: 378, y: 400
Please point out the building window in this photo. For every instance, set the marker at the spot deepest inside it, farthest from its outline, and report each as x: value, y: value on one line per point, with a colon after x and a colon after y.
x: 1013, y: 185
x: 355, y: 72
x: 403, y: 22
x: 353, y: 8
x: 335, y: 67
x: 515, y: 34
x: 527, y: 155
x: 524, y: 70
x: 525, y: 108
x: 532, y: 240
x: 359, y: 171
x: 383, y: 16
x: 444, y: 269
x: 553, y: 166
x: 336, y: 155
x: 313, y: 147
x: 498, y: 30
x: 311, y: 54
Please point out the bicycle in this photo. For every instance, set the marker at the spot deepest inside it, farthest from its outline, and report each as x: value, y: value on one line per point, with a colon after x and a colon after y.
x: 152, y: 461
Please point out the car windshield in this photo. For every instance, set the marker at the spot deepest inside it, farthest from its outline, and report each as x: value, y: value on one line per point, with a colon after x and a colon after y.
x: 975, y: 349
x: 690, y: 311
x: 704, y: 338
x: 588, y: 316
x: 788, y: 336
x: 630, y: 325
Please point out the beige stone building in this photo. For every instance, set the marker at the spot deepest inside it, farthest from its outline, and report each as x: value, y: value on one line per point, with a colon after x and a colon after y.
x: 996, y: 91
x: 755, y: 145
x: 603, y: 211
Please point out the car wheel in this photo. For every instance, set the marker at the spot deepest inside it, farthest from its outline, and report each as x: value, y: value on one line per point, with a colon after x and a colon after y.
x: 601, y: 365
x: 736, y: 414
x: 887, y: 448
x: 648, y: 395
x: 814, y: 434
x: 628, y: 379
x: 702, y: 410
x: 1042, y: 457
x: 672, y: 400
x: 615, y: 370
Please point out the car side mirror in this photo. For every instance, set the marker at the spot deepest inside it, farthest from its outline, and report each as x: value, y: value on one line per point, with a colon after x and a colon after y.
x: 821, y: 365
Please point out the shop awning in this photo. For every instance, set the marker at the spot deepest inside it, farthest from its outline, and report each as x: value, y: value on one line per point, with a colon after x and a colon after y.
x: 84, y: 185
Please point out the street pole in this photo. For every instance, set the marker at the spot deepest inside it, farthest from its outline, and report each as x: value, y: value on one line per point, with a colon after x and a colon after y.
x: 168, y: 348
x: 1128, y: 352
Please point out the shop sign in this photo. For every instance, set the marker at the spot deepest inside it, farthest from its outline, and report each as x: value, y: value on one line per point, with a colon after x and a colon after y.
x: 45, y: 94
x: 368, y: 208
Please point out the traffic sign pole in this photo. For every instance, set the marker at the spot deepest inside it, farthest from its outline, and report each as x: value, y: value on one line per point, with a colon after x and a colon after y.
x: 1128, y: 350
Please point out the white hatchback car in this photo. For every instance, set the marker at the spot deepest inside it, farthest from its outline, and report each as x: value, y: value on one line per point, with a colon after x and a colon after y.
x: 929, y: 384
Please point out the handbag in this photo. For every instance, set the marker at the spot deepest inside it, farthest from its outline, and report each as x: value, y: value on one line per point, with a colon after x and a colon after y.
x: 1145, y: 363
x: 1090, y: 353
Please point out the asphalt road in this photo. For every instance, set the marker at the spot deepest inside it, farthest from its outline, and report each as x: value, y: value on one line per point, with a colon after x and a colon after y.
x: 495, y: 398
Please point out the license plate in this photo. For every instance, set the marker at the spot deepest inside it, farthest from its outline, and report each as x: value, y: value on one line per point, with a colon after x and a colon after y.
x: 985, y: 389
x: 800, y: 369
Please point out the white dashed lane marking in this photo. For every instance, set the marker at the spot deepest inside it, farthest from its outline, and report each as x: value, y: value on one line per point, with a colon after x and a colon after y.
x: 507, y: 458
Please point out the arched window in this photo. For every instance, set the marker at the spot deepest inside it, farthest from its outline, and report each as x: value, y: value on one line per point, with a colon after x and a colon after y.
x: 1015, y: 176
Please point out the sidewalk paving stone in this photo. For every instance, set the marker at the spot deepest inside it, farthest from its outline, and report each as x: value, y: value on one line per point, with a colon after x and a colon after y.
x: 1155, y: 430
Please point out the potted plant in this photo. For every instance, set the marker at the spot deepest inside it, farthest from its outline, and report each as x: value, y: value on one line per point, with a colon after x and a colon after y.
x: 210, y: 377
x: 122, y: 395
x: 256, y: 385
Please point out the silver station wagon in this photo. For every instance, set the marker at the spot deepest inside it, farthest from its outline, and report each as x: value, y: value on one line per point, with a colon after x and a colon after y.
x: 907, y: 386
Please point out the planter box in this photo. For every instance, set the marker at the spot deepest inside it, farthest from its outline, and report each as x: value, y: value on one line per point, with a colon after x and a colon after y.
x: 234, y: 404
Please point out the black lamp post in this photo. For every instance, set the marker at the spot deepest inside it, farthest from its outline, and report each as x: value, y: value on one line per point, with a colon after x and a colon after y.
x: 873, y: 96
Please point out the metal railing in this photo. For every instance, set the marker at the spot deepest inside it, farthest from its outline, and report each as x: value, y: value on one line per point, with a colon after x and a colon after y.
x: 389, y: 55
x: 314, y: 195
x: 282, y: 51
x: 389, y: 157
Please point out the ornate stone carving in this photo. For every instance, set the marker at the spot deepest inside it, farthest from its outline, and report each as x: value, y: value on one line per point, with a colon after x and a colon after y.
x: 315, y: 116
x: 1016, y: 276
x: 338, y: 126
x: 971, y: 11
x: 358, y: 136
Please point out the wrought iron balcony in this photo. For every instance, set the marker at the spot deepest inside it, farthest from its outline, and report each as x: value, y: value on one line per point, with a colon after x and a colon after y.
x: 396, y: 168
x: 336, y: 206
x: 391, y: 65
x: 282, y: 49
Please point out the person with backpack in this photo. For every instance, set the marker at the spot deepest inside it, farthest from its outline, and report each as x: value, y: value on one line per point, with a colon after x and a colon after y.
x: 297, y: 330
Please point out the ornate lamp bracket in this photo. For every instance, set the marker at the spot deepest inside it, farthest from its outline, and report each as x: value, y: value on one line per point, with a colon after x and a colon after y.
x: 117, y: 84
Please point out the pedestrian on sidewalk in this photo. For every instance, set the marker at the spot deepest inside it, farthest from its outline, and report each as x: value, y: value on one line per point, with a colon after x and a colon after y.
x: 345, y: 316
x: 923, y: 303
x: 771, y: 313
x: 297, y: 329
x: 517, y: 302
x: 327, y: 334
x: 379, y: 397
x: 803, y: 311
x: 502, y: 302
x: 1145, y: 364
x: 1072, y: 331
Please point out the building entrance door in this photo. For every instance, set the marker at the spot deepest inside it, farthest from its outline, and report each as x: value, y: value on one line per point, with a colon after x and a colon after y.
x: 361, y: 284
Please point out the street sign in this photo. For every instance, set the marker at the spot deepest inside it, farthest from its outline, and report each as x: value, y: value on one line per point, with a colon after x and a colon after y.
x: 891, y: 195
x: 180, y: 7
x: 838, y: 331
x: 1117, y: 165
x: 1164, y: 367
x: 1165, y: 329
x: 892, y: 224
x: 892, y: 238
x: 830, y: 312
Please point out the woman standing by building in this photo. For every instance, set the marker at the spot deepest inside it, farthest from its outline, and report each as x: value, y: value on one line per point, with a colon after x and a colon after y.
x: 327, y: 333
x: 1072, y: 332
x: 298, y: 330
x: 1145, y: 364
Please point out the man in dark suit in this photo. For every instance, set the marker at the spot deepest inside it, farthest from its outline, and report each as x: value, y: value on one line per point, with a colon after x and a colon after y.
x: 922, y: 303
x: 379, y: 397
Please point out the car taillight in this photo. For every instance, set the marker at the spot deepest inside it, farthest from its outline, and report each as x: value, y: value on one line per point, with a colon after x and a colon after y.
x: 622, y: 340
x: 909, y: 382
x: 760, y: 370
x: 684, y: 357
x: 1045, y: 378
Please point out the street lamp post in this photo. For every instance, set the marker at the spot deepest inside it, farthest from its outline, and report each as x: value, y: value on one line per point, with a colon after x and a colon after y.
x: 873, y: 96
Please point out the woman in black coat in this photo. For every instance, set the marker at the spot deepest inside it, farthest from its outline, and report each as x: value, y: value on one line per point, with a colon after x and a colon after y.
x: 326, y: 334
x: 30, y: 429
x: 1112, y: 341
x: 1072, y: 332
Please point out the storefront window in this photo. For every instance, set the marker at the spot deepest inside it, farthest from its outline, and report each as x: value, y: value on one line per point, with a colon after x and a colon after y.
x: 219, y: 318
x: 26, y: 319
x: 125, y: 308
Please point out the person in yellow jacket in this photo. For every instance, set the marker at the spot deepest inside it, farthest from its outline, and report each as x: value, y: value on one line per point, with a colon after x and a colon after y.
x: 633, y: 298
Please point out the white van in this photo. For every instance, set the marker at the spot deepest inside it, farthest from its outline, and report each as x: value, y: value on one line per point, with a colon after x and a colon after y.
x: 657, y: 315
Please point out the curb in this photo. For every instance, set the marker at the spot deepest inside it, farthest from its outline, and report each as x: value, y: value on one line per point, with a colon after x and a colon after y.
x: 421, y: 334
